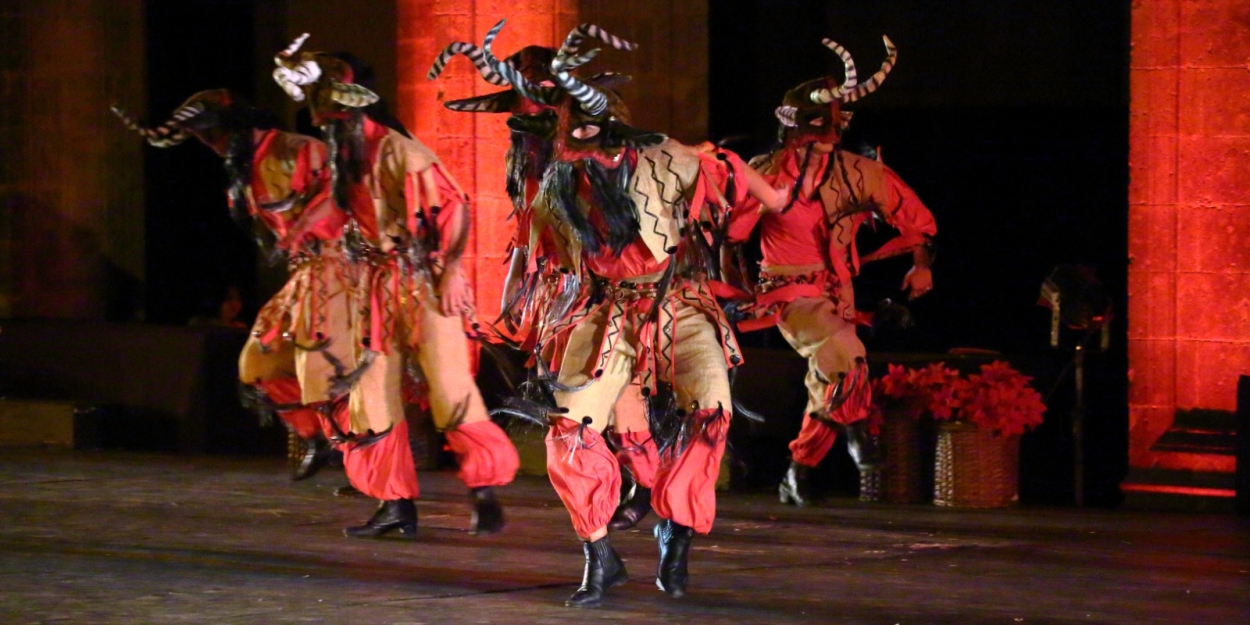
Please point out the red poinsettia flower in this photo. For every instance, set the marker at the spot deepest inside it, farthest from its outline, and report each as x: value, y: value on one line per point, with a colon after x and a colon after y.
x: 999, y: 398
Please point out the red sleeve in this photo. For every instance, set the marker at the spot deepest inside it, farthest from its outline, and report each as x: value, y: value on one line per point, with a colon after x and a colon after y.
x: 722, y: 177
x: 902, y: 209
x: 310, y: 173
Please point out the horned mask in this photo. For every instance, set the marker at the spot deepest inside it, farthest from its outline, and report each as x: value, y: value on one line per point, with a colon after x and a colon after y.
x: 583, y: 119
x: 326, y: 82
x: 812, y: 111
x: 209, y: 114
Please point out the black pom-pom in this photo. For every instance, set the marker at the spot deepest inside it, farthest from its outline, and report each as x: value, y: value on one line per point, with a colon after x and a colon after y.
x: 646, y: 391
x: 587, y: 420
x: 734, y: 360
x: 598, y: 373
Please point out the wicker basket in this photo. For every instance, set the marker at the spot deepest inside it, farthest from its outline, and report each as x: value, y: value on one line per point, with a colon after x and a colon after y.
x: 900, y: 478
x: 974, y: 468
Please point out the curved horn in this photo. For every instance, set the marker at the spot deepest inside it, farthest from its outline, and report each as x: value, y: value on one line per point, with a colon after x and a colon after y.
x: 877, y: 78
x: 305, y: 73
x: 510, y: 74
x: 785, y: 115
x: 166, y: 135
x: 498, y: 102
x: 290, y: 76
x: 593, y: 101
x: 285, y: 79
x: 475, y: 54
x: 825, y: 96
x: 591, y: 31
x: 352, y: 95
x: 291, y: 49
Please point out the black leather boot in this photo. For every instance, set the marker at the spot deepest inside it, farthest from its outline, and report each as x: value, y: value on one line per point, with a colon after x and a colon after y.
x: 347, y: 491
x: 604, y: 570
x: 314, y: 456
x: 398, y: 514
x: 487, y: 513
x: 674, y: 540
x: 794, y: 487
x: 631, y: 511
x: 862, y: 446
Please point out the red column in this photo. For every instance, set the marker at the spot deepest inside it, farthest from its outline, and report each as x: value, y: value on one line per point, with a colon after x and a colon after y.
x: 1189, y: 218
x: 471, y: 145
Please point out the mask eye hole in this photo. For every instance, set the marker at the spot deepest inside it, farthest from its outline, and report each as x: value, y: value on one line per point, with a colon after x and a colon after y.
x: 585, y: 132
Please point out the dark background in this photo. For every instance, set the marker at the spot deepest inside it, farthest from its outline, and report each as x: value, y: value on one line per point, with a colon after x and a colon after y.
x: 1009, y: 119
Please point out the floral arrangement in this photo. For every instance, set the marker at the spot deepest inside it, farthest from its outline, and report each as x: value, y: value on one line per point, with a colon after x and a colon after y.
x: 998, y: 399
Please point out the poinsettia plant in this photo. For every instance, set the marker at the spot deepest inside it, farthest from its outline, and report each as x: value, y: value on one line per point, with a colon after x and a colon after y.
x: 998, y: 399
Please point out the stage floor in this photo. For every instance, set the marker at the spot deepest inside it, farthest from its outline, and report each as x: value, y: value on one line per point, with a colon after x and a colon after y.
x: 120, y: 538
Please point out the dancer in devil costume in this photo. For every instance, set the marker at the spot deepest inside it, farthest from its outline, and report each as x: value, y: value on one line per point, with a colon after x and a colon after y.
x: 280, y: 181
x: 537, y: 288
x: 407, y: 230
x: 810, y: 257
x: 623, y: 207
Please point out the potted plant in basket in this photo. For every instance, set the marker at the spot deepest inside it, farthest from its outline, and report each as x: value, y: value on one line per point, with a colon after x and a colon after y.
x: 902, y: 401
x: 978, y: 446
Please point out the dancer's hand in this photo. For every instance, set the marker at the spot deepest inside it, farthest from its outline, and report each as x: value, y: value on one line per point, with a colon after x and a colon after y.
x: 919, y: 281
x: 455, y: 294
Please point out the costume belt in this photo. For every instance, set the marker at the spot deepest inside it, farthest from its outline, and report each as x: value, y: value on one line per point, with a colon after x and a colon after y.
x: 638, y: 306
x: 316, y: 276
x: 777, y: 290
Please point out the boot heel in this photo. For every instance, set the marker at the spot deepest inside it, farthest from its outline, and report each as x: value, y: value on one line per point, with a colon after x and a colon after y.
x: 604, y: 570
x: 487, y: 512
x: 399, y: 514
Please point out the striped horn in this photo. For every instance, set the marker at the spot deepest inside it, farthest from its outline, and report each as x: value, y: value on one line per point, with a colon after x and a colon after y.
x: 291, y: 49
x: 568, y: 58
x: 166, y: 135
x: 291, y: 76
x: 352, y: 95
x: 877, y: 78
x: 498, y: 102
x: 825, y: 96
x: 591, y: 31
x: 785, y: 115
x: 511, y: 75
x: 474, y: 54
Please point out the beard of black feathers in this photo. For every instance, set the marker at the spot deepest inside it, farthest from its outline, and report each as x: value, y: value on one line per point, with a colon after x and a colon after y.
x: 528, y: 157
x: 346, y: 140
x: 240, y: 151
x: 609, y: 189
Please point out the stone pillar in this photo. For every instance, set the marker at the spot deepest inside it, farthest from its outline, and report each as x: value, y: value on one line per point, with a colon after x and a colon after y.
x: 71, y: 216
x: 1189, y: 219
x: 471, y: 145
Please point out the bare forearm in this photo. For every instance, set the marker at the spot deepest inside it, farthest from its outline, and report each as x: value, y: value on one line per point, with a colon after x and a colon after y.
x: 772, y: 199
